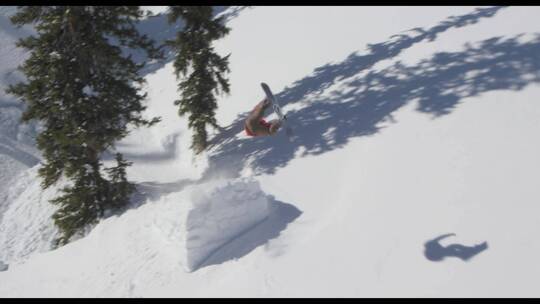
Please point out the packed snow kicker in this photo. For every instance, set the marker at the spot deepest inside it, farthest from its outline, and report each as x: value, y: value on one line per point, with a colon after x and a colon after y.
x: 203, y: 218
x: 414, y: 171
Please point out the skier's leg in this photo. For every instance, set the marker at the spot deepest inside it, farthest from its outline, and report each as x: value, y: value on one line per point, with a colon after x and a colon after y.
x: 258, y: 111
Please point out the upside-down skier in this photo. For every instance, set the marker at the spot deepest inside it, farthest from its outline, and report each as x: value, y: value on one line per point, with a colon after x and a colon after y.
x: 256, y: 125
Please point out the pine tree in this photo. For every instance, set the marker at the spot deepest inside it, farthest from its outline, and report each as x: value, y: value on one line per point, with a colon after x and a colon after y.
x: 199, y: 67
x: 85, y: 92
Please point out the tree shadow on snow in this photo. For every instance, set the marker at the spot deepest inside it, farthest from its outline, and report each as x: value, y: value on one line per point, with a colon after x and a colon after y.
x: 436, y: 252
x: 363, y: 104
x: 281, y: 214
x: 367, y: 98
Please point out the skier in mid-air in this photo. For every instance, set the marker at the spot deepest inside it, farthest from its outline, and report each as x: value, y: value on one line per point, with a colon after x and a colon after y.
x: 256, y: 125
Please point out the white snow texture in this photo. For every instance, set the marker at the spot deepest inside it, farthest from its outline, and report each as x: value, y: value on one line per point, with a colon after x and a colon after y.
x: 414, y: 170
x: 205, y: 217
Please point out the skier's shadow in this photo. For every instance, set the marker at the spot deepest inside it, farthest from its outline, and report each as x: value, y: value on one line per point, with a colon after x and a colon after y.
x: 435, y: 252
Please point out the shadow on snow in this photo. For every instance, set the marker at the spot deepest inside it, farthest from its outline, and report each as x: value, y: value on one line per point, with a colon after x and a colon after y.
x: 367, y: 98
x: 435, y: 252
x: 363, y: 104
x: 281, y: 214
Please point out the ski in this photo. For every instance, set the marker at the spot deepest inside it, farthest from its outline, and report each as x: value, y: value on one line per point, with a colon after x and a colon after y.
x: 277, y: 109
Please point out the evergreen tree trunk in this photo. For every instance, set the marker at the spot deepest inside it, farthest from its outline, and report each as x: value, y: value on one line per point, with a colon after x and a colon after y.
x: 200, y: 70
x: 86, y: 93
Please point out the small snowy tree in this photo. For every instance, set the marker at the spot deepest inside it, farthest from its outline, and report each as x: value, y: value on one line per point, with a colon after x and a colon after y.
x: 200, y: 69
x: 86, y: 92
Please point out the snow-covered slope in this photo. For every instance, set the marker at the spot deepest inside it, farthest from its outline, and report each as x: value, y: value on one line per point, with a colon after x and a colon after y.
x: 16, y: 140
x: 25, y: 225
x: 406, y: 131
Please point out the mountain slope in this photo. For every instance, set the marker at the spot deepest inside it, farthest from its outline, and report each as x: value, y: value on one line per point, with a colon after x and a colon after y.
x: 16, y: 140
x: 405, y: 131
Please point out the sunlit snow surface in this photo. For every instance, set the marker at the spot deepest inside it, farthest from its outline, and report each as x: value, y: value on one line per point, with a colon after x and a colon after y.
x: 413, y: 172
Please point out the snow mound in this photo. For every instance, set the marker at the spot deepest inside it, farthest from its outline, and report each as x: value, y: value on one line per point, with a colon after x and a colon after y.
x: 204, y: 217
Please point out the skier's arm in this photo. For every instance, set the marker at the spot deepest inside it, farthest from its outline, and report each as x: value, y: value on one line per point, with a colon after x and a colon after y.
x: 444, y: 236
